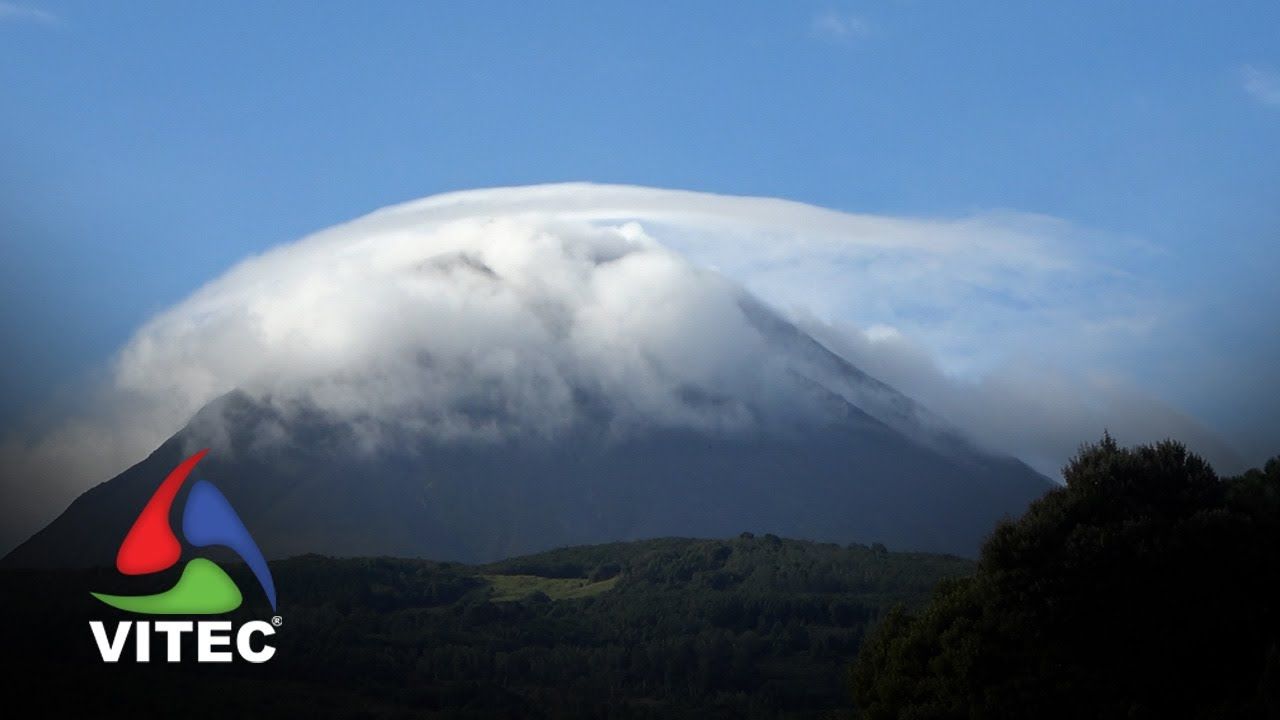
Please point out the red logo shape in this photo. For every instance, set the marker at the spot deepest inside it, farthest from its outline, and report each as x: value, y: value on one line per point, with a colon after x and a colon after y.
x: 151, y: 545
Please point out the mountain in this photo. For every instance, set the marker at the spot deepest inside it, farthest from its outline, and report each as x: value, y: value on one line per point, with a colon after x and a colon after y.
x: 457, y: 383
x: 845, y: 459
x: 758, y: 627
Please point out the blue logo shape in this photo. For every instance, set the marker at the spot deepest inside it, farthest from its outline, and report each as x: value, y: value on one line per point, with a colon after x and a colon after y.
x: 209, y: 520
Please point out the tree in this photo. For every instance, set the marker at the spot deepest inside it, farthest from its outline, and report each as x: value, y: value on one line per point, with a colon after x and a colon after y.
x: 1146, y: 587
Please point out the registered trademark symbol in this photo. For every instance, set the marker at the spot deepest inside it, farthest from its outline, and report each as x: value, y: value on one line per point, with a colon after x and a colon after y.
x: 277, y: 620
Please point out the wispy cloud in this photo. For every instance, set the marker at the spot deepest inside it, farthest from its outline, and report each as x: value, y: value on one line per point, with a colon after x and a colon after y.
x: 1263, y: 84
x: 10, y: 12
x: 840, y: 27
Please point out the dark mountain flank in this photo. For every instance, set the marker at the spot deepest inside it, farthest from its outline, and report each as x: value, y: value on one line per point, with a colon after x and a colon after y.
x: 854, y: 481
x: 849, y: 459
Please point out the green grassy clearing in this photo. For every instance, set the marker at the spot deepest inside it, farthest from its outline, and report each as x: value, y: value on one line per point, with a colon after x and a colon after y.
x: 507, y: 588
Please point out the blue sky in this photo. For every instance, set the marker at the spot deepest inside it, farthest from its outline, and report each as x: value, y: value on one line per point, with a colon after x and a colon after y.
x: 149, y: 146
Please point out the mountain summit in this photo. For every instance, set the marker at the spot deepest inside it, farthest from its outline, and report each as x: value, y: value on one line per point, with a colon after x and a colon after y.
x: 438, y: 383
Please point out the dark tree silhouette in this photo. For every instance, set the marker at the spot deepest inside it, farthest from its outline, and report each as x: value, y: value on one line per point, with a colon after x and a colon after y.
x: 1146, y: 587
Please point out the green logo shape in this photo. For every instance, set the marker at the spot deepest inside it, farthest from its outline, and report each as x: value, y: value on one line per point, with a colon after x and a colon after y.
x: 203, y: 589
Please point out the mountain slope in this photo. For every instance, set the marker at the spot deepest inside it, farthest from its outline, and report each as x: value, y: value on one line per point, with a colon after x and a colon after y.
x: 852, y: 479
x: 741, y: 421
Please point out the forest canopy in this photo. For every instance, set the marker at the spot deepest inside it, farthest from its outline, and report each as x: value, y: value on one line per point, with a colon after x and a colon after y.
x: 1146, y: 587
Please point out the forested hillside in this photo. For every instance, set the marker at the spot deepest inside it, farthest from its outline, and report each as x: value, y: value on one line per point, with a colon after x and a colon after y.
x: 753, y: 626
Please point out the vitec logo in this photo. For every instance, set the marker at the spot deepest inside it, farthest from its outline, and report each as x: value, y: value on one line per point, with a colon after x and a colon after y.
x: 204, y: 588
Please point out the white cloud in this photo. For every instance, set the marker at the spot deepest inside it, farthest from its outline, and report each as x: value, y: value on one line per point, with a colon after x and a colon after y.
x: 485, y: 313
x: 839, y: 26
x: 1039, y: 411
x: 10, y: 12
x: 1263, y: 84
